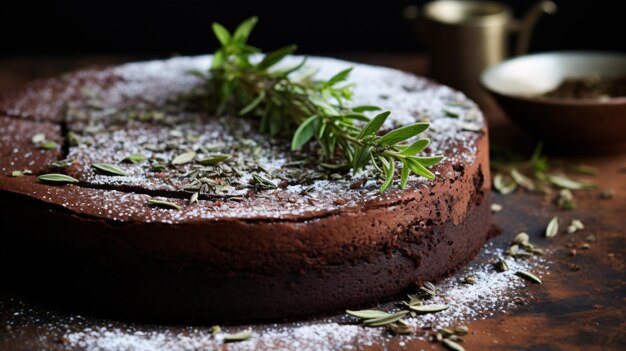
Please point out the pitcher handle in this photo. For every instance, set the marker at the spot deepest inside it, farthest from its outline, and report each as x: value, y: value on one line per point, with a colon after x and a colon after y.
x: 525, y: 26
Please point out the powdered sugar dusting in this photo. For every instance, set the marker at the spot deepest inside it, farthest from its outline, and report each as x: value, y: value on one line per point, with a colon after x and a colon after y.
x: 494, y: 293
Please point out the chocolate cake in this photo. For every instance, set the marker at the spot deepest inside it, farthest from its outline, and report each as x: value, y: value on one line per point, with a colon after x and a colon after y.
x: 269, y: 233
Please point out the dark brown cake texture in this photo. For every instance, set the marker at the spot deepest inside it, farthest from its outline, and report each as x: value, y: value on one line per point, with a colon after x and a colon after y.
x: 312, y: 241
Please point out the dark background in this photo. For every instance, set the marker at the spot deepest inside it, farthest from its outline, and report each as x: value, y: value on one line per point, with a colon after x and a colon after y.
x: 54, y: 27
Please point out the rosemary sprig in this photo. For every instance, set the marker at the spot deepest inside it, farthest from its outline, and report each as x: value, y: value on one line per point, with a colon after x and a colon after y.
x: 309, y: 110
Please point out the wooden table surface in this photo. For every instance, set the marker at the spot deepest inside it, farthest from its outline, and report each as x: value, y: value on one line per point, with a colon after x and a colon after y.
x: 579, y: 306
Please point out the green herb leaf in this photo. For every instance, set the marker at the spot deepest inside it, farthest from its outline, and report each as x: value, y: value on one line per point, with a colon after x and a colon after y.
x: 339, y: 77
x: 538, y: 162
x: 184, y: 158
x: 194, y: 198
x: 244, y: 29
x: 253, y: 104
x: 221, y: 34
x: 287, y: 71
x: 72, y: 138
x: 529, y: 276
x: 553, y: 227
x: 17, y: 174
x: 361, y: 156
x: 368, y: 314
x: 504, y: 185
x: 568, y: 183
x: 109, y: 169
x: 578, y: 224
x: 385, y: 320
x: 56, y: 178
x: 365, y: 108
x: 263, y: 182
x: 416, y: 147
x: 60, y: 163
x: 218, y: 59
x: 134, y: 158
x: 404, y: 177
x: 429, y: 308
x: 522, y: 180
x: 374, y: 125
x: 428, y: 161
x: 390, y: 170
x: 48, y: 145
x: 397, y: 135
x: 452, y: 345
x: 521, y: 238
x: 356, y: 116
x: 38, y: 138
x: 163, y: 204
x: 213, y: 160
x: 275, y: 56
x: 418, y: 169
x: 240, y: 336
x: 501, y: 265
x: 450, y: 113
x: 400, y: 328
x: 304, y: 133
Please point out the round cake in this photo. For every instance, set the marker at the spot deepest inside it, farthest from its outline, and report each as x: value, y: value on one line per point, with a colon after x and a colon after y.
x: 266, y: 234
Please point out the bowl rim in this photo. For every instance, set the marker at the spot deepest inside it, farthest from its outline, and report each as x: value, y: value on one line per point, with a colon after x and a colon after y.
x: 552, y: 100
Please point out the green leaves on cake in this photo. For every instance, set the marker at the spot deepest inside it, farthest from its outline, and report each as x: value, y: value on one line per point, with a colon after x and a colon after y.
x: 310, y: 111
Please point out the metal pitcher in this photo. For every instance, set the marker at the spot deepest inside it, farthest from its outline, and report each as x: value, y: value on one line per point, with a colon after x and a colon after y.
x: 465, y: 37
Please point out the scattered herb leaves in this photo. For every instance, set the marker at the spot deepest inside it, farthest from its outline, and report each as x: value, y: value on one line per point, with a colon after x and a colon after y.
x: 533, y: 174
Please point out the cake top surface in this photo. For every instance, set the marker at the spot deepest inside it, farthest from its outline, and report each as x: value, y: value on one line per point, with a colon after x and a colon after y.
x: 134, y: 112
